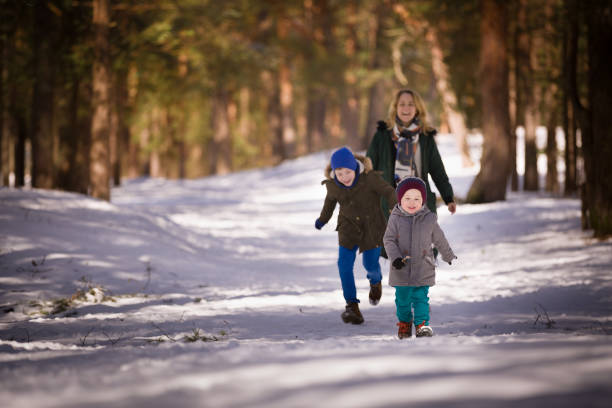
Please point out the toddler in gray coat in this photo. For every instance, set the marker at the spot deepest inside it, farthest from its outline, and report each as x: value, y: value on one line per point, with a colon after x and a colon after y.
x: 408, y: 239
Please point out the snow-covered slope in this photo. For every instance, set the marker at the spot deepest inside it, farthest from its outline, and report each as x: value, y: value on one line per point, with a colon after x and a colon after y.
x: 220, y: 292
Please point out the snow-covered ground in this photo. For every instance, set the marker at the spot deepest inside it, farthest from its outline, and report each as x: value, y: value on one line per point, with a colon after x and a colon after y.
x: 219, y: 292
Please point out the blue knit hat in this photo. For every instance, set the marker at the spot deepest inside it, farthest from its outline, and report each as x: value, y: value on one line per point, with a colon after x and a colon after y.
x: 343, y: 157
x: 410, y: 183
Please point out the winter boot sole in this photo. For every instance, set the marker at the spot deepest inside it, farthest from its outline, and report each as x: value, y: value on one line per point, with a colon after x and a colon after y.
x: 424, y: 332
x: 375, y: 293
x: 351, y: 319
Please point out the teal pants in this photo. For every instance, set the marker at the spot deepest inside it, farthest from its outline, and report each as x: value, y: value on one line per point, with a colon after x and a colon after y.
x: 409, y: 298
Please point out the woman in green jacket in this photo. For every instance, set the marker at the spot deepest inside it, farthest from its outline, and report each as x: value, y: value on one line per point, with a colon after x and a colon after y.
x: 404, y: 146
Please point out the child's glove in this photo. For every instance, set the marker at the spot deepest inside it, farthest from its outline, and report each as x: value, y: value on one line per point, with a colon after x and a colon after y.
x: 319, y: 224
x: 398, y: 263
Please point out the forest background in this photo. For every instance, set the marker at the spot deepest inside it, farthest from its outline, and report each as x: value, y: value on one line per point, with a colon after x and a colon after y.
x: 96, y: 91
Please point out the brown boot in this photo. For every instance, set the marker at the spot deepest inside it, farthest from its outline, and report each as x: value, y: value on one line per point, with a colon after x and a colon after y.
x: 375, y: 293
x: 352, y: 314
x: 405, y: 330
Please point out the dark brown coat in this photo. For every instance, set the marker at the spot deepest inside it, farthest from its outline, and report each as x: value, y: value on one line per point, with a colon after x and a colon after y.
x: 360, y: 219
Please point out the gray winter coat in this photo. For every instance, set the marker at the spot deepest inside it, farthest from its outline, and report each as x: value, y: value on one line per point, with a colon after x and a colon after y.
x: 413, y: 235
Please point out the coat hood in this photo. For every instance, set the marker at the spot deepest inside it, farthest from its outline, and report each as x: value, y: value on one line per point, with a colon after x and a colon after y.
x: 365, y: 166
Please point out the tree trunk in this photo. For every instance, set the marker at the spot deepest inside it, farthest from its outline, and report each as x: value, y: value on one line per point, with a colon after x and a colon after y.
x: 377, y: 94
x: 16, y: 126
x: 154, y: 143
x: 550, y: 97
x: 273, y: 114
x: 287, y: 118
x: 42, y: 98
x: 133, y: 164
x: 456, y: 121
x: 570, y: 155
x: 515, y: 108
x: 220, y: 146
x: 4, y: 140
x: 113, y: 136
x: 581, y: 114
x: 70, y: 138
x: 99, y: 154
x: 526, y: 95
x: 122, y: 103
x: 317, y: 94
x: 350, y: 105
x: 315, y: 116
x: 552, y: 177
x: 286, y: 109
x: 491, y: 182
x: 598, y: 142
x: 20, y: 150
x: 569, y: 121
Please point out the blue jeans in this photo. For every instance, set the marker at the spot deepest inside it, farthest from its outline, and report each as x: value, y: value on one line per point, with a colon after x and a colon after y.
x: 408, y: 298
x: 346, y: 262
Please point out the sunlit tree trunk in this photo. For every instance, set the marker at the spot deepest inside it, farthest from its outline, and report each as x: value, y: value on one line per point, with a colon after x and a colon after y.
x: 317, y: 90
x: 100, y: 129
x: 220, y: 146
x: 155, y: 143
x: 350, y: 103
x: 526, y: 95
x: 491, y: 182
x: 42, y: 99
x: 288, y: 138
x: 456, y: 121
x: 178, y: 121
x: 245, y: 124
x: 378, y: 99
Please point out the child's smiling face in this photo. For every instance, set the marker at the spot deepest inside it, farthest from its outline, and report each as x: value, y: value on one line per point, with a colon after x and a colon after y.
x: 345, y: 176
x: 412, y: 201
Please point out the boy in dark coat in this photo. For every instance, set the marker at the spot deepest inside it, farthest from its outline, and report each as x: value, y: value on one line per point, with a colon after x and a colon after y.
x: 351, y: 183
x: 411, y: 231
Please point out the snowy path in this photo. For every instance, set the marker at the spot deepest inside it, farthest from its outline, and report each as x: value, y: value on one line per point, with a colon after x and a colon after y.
x: 522, y: 319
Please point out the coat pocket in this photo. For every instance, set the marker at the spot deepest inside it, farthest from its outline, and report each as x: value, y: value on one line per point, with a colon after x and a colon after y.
x: 429, y: 260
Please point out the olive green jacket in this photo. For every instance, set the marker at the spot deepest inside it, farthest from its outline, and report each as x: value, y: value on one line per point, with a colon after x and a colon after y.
x: 382, y: 153
x: 360, y: 219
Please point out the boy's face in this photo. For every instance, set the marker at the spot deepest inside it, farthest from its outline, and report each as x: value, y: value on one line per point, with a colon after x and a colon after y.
x: 412, y: 201
x: 345, y: 176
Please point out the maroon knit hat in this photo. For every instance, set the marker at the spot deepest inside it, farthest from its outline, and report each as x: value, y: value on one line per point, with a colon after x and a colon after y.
x: 410, y: 183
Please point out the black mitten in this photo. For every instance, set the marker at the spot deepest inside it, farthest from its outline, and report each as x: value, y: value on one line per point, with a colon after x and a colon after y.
x: 398, y: 263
